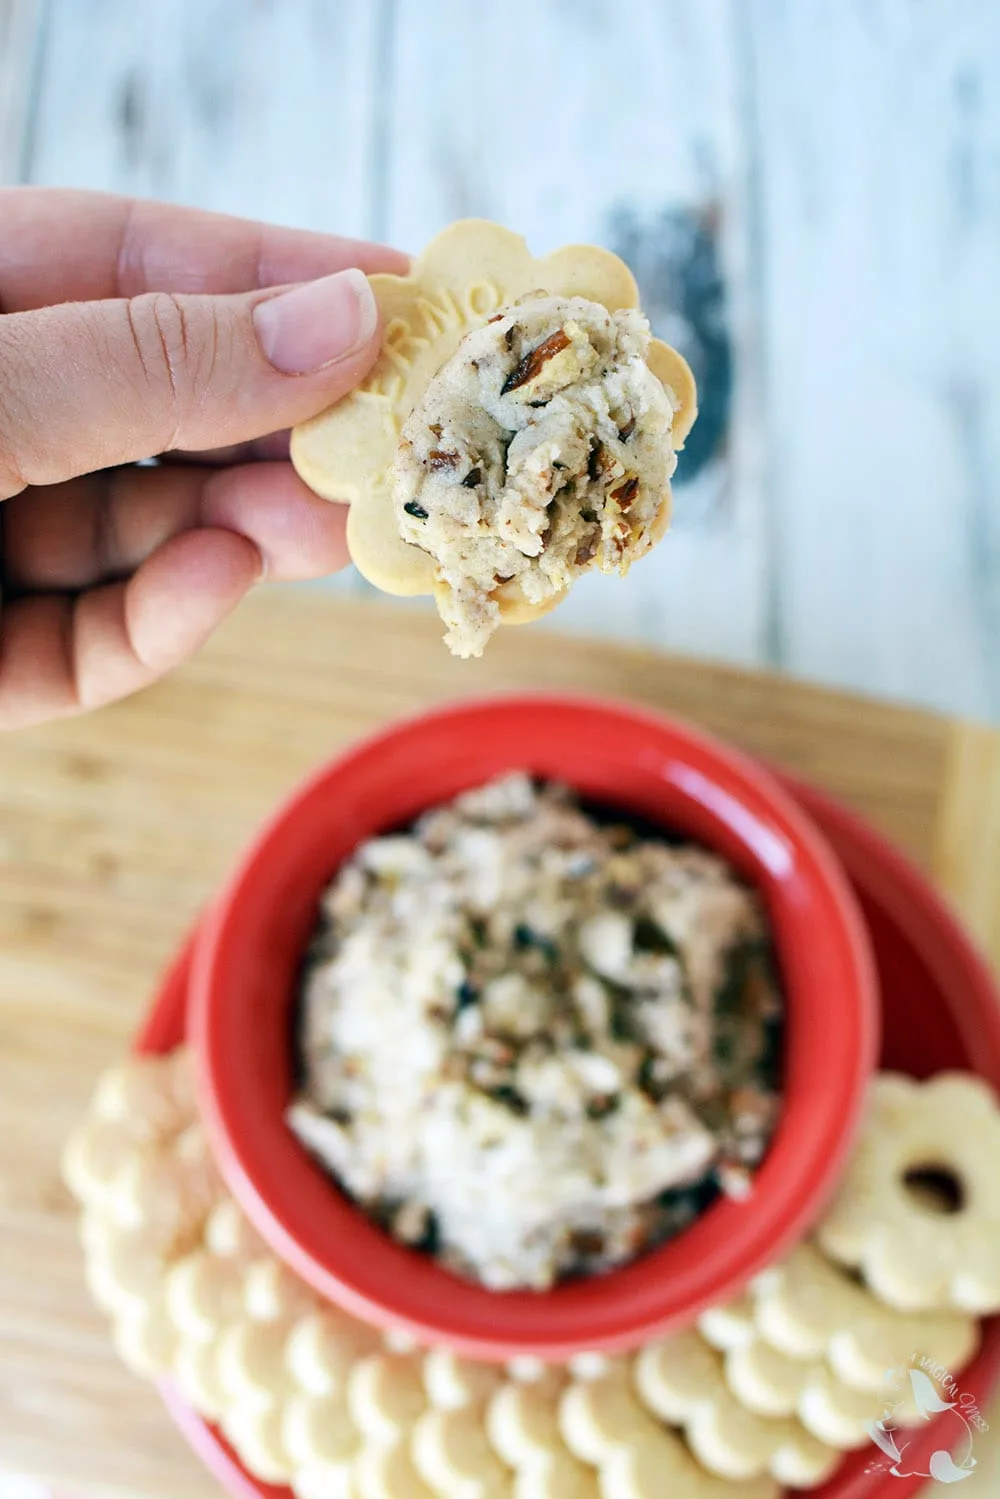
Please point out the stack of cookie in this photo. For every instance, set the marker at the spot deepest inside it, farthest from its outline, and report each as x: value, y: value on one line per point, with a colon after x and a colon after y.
x: 766, y: 1393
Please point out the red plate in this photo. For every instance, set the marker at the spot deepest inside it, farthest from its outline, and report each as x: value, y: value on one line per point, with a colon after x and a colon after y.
x: 940, y: 1009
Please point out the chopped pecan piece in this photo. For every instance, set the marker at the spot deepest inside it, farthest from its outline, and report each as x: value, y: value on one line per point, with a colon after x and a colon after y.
x: 534, y: 361
x: 442, y: 458
x: 588, y: 1242
x: 625, y: 494
x: 621, y: 535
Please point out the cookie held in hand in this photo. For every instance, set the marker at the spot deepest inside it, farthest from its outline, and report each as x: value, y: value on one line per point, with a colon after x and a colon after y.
x: 519, y: 428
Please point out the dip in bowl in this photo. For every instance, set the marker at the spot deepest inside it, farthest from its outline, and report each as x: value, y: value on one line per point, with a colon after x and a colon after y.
x: 643, y: 1261
x: 533, y: 1042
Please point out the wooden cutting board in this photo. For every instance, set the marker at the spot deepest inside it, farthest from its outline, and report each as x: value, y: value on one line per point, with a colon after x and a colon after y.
x: 115, y: 828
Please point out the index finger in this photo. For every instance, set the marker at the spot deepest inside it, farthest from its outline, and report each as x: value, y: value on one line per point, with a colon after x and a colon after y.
x: 64, y: 245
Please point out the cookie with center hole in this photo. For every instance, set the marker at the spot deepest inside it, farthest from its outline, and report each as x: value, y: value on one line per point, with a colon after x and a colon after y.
x: 918, y: 1211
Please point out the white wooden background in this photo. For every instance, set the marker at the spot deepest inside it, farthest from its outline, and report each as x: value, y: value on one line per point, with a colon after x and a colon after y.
x: 841, y: 157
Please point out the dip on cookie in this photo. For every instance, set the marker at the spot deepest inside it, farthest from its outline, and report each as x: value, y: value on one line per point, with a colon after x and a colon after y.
x: 541, y: 450
x: 518, y: 429
x: 533, y: 1042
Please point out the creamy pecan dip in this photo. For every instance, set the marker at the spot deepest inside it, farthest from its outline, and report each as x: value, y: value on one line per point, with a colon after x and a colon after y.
x: 533, y: 1042
x: 542, y: 449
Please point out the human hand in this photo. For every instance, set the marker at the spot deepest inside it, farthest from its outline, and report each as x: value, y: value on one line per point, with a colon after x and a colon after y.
x: 133, y: 330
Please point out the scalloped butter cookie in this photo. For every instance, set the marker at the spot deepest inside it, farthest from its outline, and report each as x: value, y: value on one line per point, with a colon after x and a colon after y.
x: 519, y: 428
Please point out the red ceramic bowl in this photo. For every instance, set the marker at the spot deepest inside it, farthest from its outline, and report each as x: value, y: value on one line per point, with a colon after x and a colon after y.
x: 245, y: 975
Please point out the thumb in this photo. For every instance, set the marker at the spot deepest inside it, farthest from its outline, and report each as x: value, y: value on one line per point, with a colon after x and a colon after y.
x: 88, y: 385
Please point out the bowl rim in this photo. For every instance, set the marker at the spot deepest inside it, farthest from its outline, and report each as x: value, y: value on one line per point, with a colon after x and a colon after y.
x: 790, y: 1206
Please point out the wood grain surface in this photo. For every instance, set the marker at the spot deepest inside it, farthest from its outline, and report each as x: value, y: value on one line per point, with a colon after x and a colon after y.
x: 808, y: 191
x: 115, y: 828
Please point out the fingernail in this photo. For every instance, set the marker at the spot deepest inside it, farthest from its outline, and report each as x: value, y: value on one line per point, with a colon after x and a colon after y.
x: 315, y: 325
